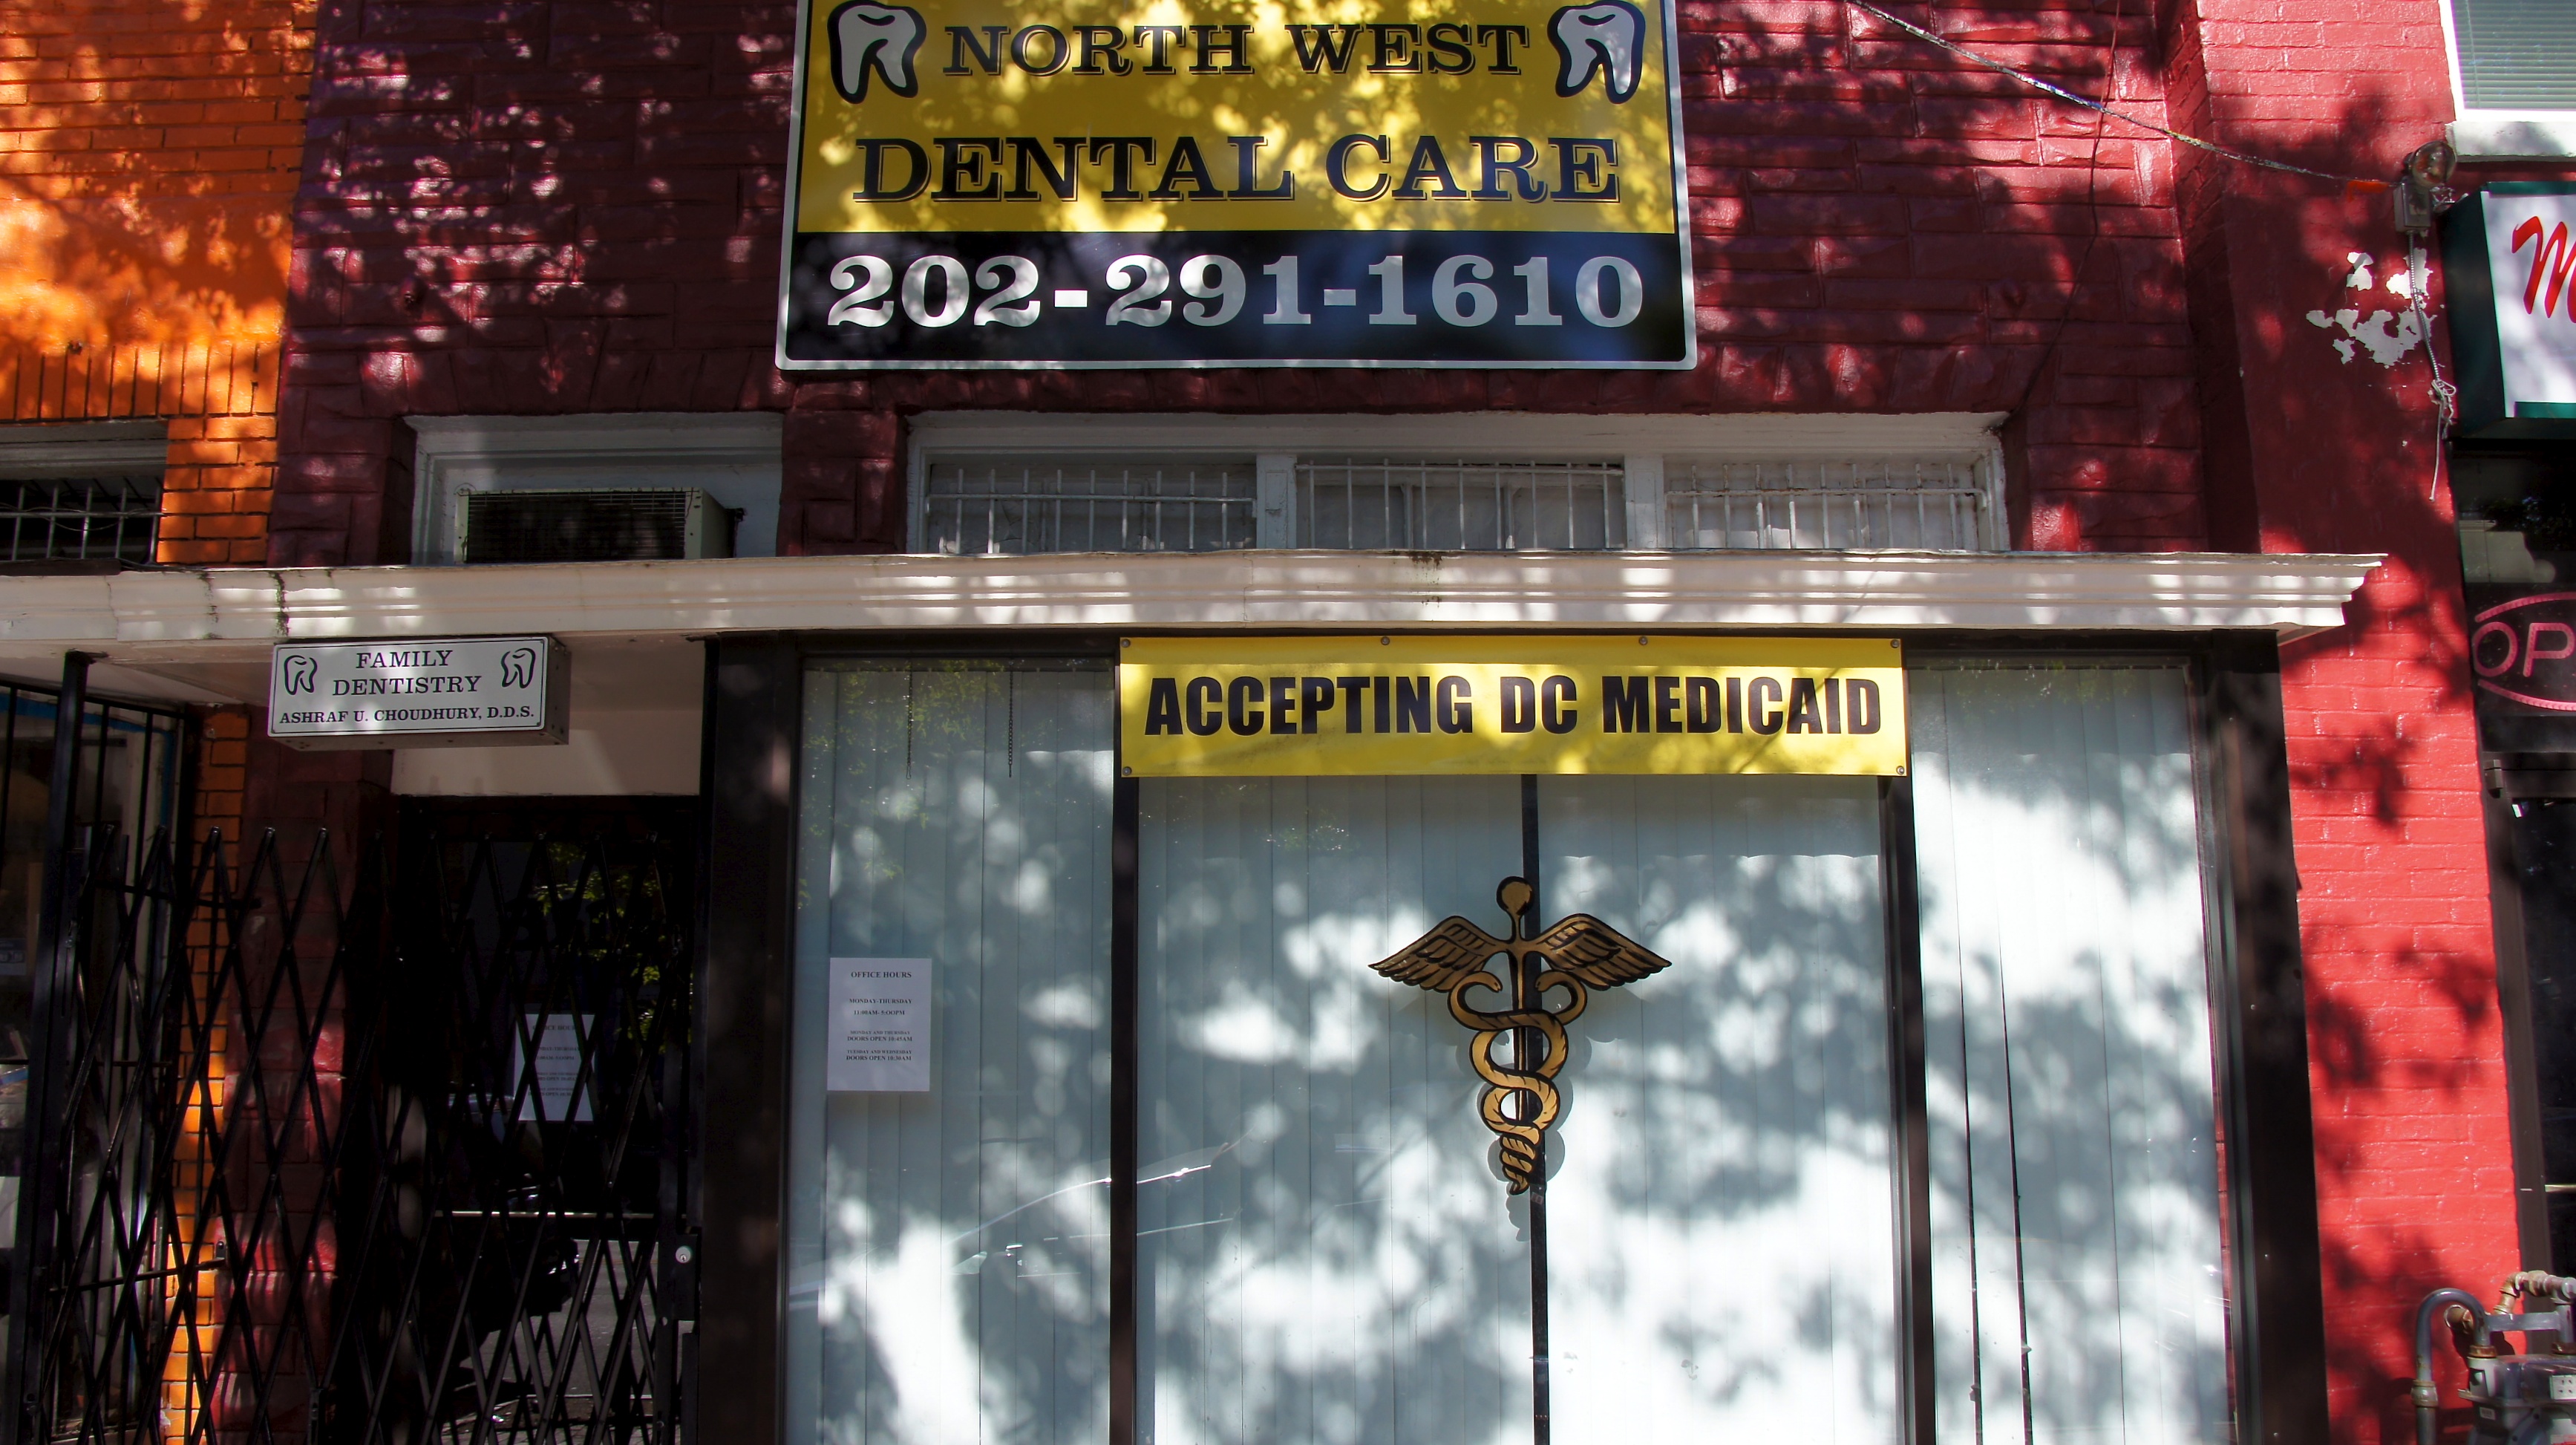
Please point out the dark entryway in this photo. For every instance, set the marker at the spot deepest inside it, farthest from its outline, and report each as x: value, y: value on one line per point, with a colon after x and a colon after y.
x: 2542, y: 837
x: 395, y: 1150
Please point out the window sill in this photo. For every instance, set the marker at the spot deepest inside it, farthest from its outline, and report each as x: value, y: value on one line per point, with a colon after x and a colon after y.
x: 2496, y: 135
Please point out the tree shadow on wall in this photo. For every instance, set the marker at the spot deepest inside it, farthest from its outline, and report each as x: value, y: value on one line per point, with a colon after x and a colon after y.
x: 1879, y: 227
x: 152, y: 213
x: 2289, y: 285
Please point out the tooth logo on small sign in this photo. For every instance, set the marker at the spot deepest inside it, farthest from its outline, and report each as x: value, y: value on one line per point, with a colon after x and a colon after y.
x: 1133, y: 183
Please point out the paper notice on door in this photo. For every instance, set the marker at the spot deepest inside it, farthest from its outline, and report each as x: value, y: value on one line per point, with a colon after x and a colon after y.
x: 555, y: 1091
x: 879, y: 1037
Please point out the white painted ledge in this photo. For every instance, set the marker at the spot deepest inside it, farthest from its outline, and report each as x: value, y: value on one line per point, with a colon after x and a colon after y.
x: 2494, y: 135
x: 203, y: 636
x: 174, y: 612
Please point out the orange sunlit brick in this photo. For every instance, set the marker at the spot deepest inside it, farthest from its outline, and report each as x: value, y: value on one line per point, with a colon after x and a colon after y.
x: 148, y: 153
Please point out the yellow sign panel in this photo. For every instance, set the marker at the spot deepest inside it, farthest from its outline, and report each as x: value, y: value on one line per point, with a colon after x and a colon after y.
x: 1330, y: 116
x: 1233, y: 707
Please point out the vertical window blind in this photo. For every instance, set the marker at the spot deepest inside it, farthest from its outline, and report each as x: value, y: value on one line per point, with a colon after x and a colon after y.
x: 1722, y: 1228
x: 2077, y: 1285
x: 1327, y: 1255
x: 948, y: 1251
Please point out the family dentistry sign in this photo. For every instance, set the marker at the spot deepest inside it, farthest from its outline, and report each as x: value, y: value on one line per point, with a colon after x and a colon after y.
x: 1138, y: 183
x: 418, y: 693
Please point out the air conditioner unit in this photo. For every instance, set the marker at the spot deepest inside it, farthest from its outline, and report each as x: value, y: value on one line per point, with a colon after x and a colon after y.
x: 603, y: 525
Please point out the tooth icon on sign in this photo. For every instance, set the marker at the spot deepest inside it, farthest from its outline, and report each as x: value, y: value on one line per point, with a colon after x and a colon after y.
x: 1608, y: 37
x: 519, y: 667
x: 868, y: 36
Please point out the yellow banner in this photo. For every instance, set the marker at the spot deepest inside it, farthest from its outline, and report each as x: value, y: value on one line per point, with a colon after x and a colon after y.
x: 1280, y: 706
x: 1232, y: 115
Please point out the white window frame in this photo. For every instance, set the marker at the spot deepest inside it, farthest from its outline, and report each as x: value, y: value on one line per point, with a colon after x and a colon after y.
x: 1275, y: 443
x: 732, y: 456
x: 85, y: 449
x: 2501, y: 134
x: 74, y: 451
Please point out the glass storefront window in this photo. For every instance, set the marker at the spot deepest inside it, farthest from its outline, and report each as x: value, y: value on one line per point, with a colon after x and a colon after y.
x: 948, y: 1247
x: 2078, y: 1281
x: 1325, y: 1249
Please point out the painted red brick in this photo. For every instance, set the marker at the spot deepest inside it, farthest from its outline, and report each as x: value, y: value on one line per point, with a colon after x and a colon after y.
x: 627, y: 165
x: 547, y: 206
x: 147, y: 156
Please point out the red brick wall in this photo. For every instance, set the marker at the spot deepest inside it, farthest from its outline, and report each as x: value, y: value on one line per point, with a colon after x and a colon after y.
x: 563, y: 206
x: 148, y: 149
x: 559, y: 206
x: 2310, y: 452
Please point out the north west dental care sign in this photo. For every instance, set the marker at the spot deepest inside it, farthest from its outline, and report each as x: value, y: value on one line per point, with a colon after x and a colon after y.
x: 1215, y: 707
x: 1121, y: 183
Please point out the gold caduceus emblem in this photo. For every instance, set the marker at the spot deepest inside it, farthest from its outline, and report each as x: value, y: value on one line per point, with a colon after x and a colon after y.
x: 1579, y: 952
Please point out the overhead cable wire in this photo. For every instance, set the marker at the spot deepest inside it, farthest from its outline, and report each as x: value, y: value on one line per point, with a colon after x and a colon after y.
x: 2445, y: 393
x: 2025, y: 77
x: 2092, y: 208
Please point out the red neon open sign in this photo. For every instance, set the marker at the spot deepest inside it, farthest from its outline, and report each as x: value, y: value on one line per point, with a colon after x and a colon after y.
x: 2525, y: 650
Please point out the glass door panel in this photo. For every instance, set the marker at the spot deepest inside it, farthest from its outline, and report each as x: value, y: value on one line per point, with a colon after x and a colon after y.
x: 948, y: 1248
x: 1326, y: 1253
x: 1721, y: 1224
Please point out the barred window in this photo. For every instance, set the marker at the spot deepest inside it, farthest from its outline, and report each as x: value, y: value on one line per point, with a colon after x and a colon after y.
x: 1461, y: 506
x: 1912, y: 505
x: 85, y: 519
x: 999, y: 506
x: 2516, y: 54
x: 1029, y: 484
x: 82, y: 492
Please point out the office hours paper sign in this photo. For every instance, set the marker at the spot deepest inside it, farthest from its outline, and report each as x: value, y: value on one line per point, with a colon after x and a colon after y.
x: 879, y: 1031
x: 557, y: 1090
x: 1130, y: 183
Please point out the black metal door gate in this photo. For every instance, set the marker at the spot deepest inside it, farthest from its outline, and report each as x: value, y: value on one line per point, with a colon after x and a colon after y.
x: 384, y: 1156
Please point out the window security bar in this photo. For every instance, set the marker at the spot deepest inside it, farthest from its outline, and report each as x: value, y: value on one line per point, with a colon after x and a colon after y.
x: 1919, y: 505
x: 81, y: 519
x: 1009, y: 508
x: 1461, y: 506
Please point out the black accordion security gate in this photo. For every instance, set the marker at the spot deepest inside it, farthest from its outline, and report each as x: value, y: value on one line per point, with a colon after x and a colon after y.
x: 396, y: 1151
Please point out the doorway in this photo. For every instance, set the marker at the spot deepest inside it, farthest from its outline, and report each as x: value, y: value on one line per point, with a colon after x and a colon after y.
x: 2542, y: 838
x: 1336, y: 1256
x: 385, y: 1147
x: 528, y: 1219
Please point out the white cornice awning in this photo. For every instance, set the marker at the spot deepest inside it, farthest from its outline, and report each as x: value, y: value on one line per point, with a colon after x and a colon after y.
x: 150, y: 620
